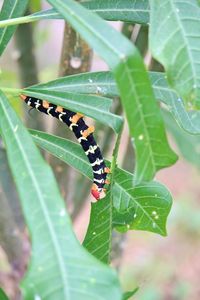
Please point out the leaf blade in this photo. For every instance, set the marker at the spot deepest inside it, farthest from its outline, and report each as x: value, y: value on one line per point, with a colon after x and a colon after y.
x: 175, y: 42
x: 103, y: 83
x: 98, y: 237
x: 151, y: 201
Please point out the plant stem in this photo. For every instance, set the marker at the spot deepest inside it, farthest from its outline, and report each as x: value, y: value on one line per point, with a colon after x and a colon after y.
x: 12, y: 91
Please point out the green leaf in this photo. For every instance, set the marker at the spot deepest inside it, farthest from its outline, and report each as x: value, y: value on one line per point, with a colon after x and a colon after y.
x: 175, y: 42
x: 189, y: 145
x: 102, y: 83
x: 151, y: 201
x: 60, y: 268
x: 90, y: 105
x: 188, y: 120
x: 10, y: 9
x: 3, y: 295
x: 128, y: 295
x: 144, y: 118
x: 122, y: 219
x: 132, y: 200
x: 98, y: 237
x: 136, y: 11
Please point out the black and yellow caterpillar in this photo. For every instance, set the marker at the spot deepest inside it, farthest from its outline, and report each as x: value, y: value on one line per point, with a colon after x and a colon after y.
x: 84, y: 135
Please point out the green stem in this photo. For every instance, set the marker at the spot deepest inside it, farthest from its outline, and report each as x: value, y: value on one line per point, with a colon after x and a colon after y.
x: 11, y: 90
x: 30, y: 18
x: 115, y: 152
x: 16, y: 21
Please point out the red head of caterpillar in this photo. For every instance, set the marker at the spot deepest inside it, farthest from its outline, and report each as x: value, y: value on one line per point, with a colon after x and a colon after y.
x: 97, y: 193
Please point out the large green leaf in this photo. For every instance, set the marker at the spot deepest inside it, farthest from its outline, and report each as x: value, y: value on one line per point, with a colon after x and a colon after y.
x: 136, y: 11
x: 103, y: 83
x: 141, y: 200
x: 144, y: 118
x: 90, y: 105
x: 60, y: 268
x: 10, y: 9
x: 151, y: 201
x: 175, y: 42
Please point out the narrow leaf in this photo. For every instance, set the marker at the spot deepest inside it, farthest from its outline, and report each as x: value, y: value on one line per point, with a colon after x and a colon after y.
x: 144, y: 118
x: 60, y: 268
x: 10, y: 9
x: 151, y: 201
x: 175, y: 42
x: 103, y: 83
x: 90, y: 105
x: 127, y: 11
x: 98, y: 237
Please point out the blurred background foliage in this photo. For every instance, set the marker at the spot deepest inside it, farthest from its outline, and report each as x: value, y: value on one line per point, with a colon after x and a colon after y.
x: 164, y: 268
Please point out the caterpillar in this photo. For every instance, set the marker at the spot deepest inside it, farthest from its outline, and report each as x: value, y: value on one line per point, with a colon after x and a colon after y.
x: 84, y: 135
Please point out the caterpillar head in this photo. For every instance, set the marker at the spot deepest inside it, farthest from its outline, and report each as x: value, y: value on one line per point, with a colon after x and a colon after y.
x: 97, y: 193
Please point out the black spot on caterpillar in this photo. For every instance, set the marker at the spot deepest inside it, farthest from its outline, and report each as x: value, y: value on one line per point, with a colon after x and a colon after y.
x: 84, y: 135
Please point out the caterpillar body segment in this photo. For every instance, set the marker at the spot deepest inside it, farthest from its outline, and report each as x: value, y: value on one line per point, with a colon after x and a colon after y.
x: 84, y: 135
